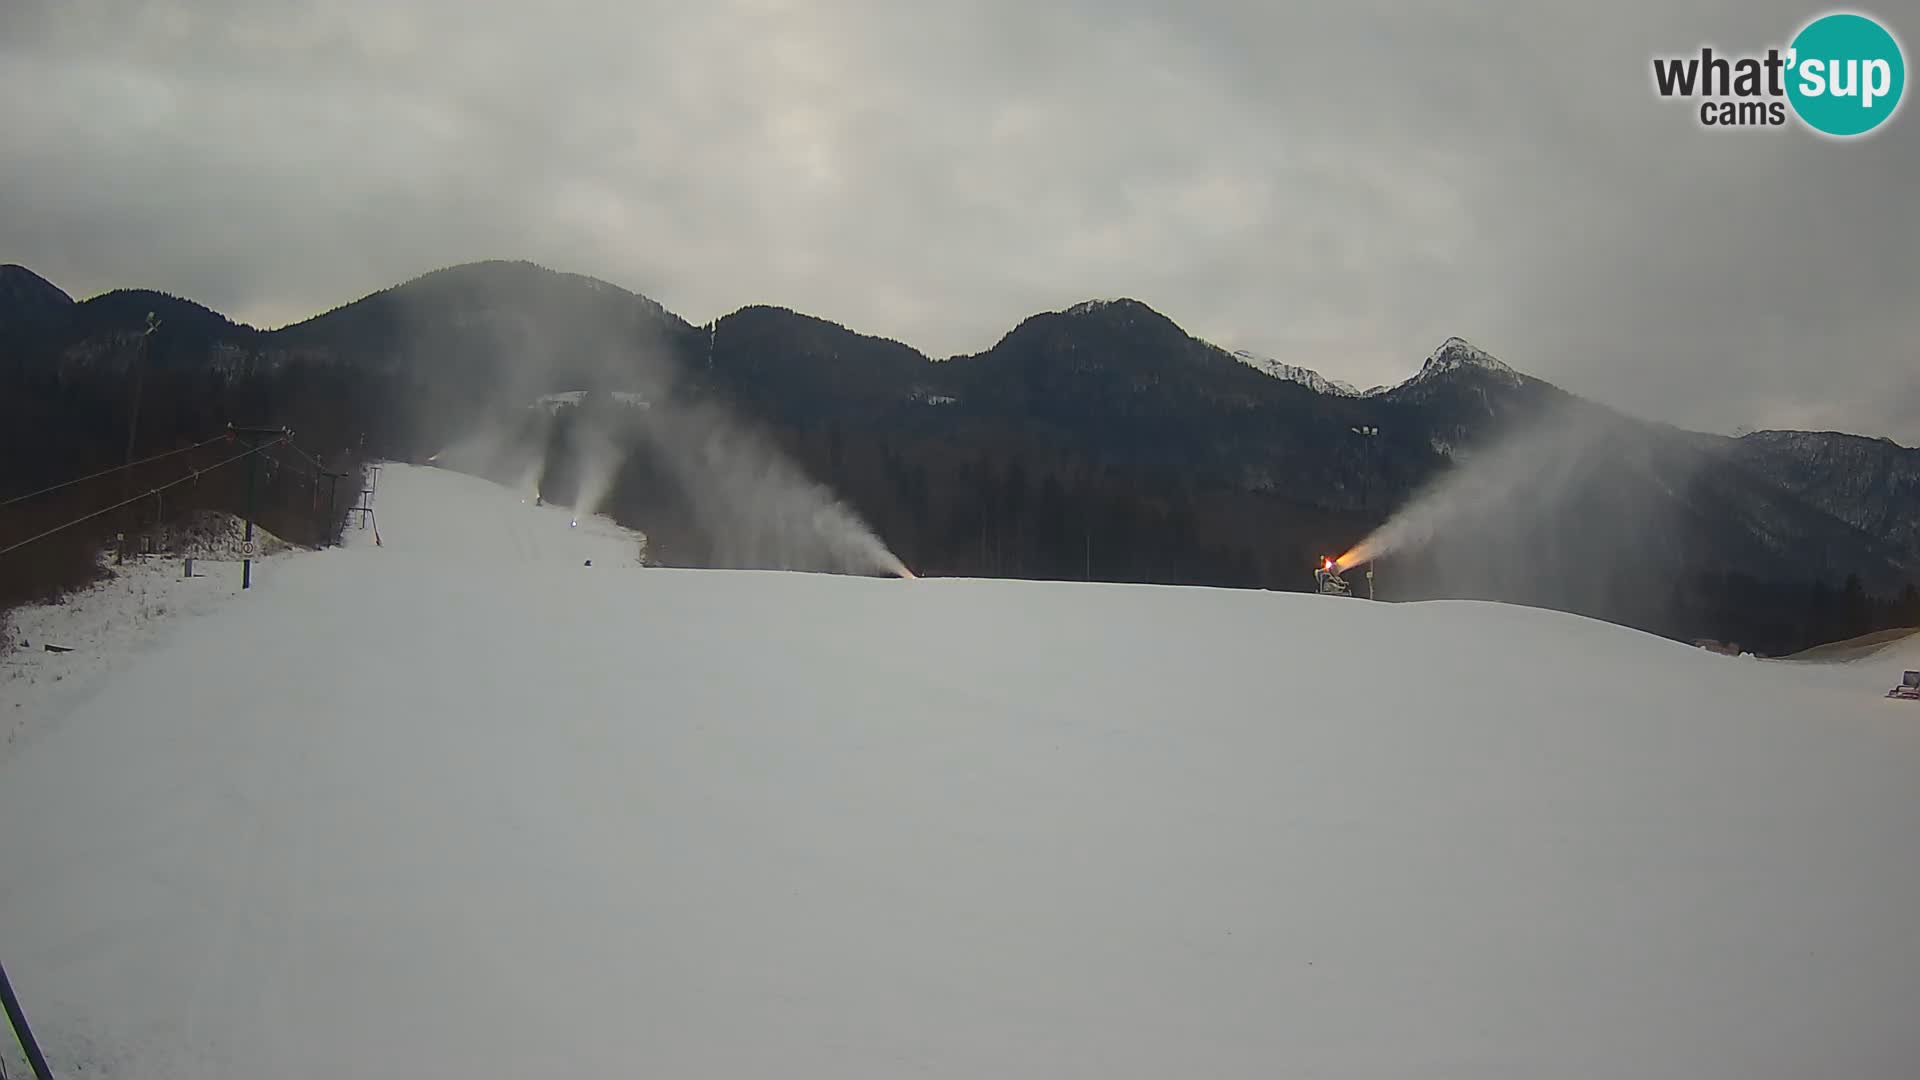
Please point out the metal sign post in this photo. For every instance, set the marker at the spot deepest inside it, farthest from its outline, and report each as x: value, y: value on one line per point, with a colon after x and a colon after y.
x: 255, y: 437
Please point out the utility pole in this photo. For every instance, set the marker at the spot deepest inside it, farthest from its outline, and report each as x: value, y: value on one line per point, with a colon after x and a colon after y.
x: 246, y: 542
x: 1368, y: 434
x: 18, y: 1017
x: 255, y: 437
x: 326, y: 527
x: 142, y: 359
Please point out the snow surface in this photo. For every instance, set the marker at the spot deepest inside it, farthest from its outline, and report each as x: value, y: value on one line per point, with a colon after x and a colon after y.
x: 107, y: 625
x: 458, y: 805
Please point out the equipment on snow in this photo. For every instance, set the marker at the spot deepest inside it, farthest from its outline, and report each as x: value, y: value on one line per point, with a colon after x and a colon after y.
x: 1328, y: 581
x: 1909, y: 688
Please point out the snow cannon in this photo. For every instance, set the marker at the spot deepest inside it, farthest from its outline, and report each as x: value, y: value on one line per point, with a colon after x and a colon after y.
x: 1327, y: 580
x: 1909, y: 688
x: 1350, y: 560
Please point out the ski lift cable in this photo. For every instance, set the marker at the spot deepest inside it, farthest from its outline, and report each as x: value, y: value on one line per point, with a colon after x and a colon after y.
x: 311, y: 460
x: 108, y: 472
x: 149, y: 493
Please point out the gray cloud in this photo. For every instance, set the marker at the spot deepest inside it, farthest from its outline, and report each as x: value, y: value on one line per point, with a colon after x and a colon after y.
x: 1341, y: 186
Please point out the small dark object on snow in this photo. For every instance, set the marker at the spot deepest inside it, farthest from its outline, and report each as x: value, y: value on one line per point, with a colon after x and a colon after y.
x: 56, y: 648
x: 1909, y: 688
x: 589, y: 562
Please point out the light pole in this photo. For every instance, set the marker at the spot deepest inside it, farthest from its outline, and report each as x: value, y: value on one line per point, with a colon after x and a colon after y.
x: 1368, y: 433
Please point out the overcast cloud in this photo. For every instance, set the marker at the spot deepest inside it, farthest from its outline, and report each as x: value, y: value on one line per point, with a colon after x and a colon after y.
x: 1338, y: 185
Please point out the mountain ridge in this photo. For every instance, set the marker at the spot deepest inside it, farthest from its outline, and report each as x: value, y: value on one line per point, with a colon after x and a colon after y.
x: 1454, y: 354
x: 485, y: 280
x: 1102, y: 408
x: 27, y: 298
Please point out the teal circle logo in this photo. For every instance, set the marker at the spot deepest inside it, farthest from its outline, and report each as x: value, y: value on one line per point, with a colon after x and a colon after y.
x: 1845, y: 74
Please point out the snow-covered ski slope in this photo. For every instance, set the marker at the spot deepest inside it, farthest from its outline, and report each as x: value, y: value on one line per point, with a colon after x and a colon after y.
x: 461, y: 806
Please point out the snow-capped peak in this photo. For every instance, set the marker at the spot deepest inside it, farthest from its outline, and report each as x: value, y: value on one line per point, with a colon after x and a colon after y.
x: 1089, y: 307
x: 1111, y: 306
x: 1306, y: 377
x: 1456, y: 353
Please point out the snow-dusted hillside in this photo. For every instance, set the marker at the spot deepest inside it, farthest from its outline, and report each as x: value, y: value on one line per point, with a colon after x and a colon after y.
x: 1871, y: 484
x: 1454, y: 354
x: 461, y: 805
x: 552, y: 403
x: 1306, y: 377
x: 64, y: 652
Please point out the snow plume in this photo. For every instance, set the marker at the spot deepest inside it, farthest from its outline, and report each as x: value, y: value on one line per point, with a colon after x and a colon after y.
x: 1581, y: 506
x: 752, y: 506
x: 757, y: 508
x: 507, y: 454
x: 579, y: 382
x: 597, y: 460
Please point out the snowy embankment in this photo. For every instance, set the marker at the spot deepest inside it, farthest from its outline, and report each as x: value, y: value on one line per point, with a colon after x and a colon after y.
x: 461, y: 805
x: 64, y: 651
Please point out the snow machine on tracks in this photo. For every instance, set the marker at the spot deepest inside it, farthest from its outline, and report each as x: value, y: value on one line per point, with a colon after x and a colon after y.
x: 1909, y: 688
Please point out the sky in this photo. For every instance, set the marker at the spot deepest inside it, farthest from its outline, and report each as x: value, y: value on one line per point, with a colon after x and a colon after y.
x: 1340, y: 185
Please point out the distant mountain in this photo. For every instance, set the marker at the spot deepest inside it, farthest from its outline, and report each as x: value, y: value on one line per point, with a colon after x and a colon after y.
x: 1870, y: 484
x: 545, y: 314
x: 1458, y: 354
x: 807, y: 371
x: 1110, y: 359
x: 1454, y: 354
x: 1306, y: 377
x: 27, y: 298
x: 1237, y: 461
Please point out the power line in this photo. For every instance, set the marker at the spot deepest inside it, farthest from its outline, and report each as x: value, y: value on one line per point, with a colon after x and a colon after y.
x: 194, y: 475
x: 108, y: 472
x: 311, y: 460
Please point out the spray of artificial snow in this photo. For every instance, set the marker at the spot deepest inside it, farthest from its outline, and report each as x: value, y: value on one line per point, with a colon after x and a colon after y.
x: 597, y: 459
x: 507, y: 456
x: 756, y: 507
x: 551, y: 421
x: 1575, y: 499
